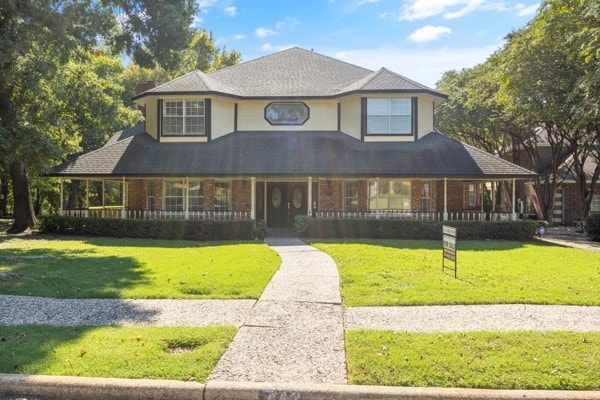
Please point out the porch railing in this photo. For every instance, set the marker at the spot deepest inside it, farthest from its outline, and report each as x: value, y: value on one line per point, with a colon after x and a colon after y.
x: 416, y: 216
x: 157, y: 214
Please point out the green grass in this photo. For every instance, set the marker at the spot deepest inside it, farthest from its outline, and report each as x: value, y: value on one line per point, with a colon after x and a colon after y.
x: 409, y: 273
x: 514, y: 360
x: 134, y: 268
x: 179, y: 353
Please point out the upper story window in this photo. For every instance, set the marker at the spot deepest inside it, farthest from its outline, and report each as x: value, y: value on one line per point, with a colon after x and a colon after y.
x: 287, y: 113
x: 389, y: 116
x: 183, y: 118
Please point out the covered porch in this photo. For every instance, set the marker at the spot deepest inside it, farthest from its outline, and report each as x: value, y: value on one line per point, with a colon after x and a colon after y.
x: 277, y: 200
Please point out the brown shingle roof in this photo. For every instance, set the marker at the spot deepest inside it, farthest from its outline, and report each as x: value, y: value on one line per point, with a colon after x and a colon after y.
x: 292, y: 154
x: 290, y: 73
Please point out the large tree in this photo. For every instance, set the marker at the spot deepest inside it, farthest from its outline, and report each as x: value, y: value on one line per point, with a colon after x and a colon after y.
x: 38, y: 38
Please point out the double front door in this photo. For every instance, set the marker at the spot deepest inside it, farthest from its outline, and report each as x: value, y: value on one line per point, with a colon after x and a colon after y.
x: 285, y: 200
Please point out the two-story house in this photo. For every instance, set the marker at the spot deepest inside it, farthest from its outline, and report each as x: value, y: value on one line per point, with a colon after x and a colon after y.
x: 292, y: 133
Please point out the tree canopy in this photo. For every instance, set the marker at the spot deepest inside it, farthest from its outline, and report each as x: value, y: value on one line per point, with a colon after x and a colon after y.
x: 63, y: 86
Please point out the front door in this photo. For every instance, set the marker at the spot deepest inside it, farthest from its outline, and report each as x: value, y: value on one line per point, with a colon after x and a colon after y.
x: 285, y: 200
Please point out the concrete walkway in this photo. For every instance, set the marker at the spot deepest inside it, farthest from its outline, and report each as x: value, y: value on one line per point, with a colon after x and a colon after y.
x: 295, y: 332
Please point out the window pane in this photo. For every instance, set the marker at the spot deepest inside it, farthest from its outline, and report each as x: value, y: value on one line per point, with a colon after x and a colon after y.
x: 172, y: 126
x: 400, y: 124
x: 194, y: 125
x: 194, y: 107
x: 222, y: 196
x: 173, y: 107
x: 378, y: 125
x: 377, y: 107
x: 400, y: 106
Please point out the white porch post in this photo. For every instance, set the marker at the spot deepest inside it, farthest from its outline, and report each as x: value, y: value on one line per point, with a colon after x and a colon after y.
x: 309, y: 196
x: 62, y: 193
x: 493, y: 197
x: 376, y: 198
x: 265, y: 201
x: 481, y: 189
x: 124, y: 199
x: 514, y: 194
x: 186, y: 190
x: 445, y: 199
x: 87, y: 193
x: 253, y: 198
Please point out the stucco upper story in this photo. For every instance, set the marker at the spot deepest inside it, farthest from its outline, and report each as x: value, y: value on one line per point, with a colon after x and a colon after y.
x: 316, y: 92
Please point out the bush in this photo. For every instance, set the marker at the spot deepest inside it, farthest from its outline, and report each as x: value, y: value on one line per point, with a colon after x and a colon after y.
x: 303, y: 224
x: 592, y: 227
x: 421, y: 230
x: 156, y: 229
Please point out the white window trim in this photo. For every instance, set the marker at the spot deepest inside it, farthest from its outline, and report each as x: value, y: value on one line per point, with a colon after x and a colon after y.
x: 346, y: 197
x: 183, y: 117
x: 389, y: 115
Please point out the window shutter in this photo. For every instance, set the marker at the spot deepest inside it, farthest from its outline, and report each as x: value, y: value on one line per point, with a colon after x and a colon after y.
x: 415, y: 117
x: 363, y: 118
x: 159, y: 111
x: 207, y: 118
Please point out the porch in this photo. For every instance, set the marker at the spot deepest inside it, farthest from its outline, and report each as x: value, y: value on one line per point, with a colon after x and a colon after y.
x: 278, y: 200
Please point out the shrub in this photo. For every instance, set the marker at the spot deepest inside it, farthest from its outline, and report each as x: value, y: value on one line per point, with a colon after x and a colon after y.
x: 303, y: 224
x: 592, y: 227
x: 155, y: 229
x: 422, y: 230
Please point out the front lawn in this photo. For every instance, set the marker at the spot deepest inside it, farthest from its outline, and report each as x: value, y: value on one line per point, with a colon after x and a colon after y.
x: 514, y: 360
x: 393, y: 272
x: 67, y: 267
x: 180, y: 353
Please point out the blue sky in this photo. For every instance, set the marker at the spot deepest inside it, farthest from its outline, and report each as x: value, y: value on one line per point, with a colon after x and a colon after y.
x: 417, y: 38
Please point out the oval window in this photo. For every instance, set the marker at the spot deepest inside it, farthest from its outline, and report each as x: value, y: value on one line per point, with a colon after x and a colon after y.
x: 297, y: 197
x: 276, y: 197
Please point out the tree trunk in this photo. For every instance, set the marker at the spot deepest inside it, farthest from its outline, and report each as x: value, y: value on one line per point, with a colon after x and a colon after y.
x: 3, y: 197
x: 23, y: 206
x: 73, y: 195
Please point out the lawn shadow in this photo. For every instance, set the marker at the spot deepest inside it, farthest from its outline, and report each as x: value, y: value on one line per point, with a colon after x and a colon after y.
x: 80, y: 273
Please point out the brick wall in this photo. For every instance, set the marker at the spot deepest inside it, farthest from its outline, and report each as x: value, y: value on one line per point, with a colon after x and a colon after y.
x: 330, y: 195
x: 363, y: 195
x: 137, y: 194
x: 241, y: 195
x: 572, y: 202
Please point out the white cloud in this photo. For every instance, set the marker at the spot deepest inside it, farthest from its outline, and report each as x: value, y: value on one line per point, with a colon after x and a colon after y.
x: 356, y: 4
x: 421, y: 9
x: 524, y: 10
x: 231, y: 11
x: 274, y: 47
x: 240, y: 36
x: 264, y: 32
x: 288, y: 22
x: 205, y: 3
x: 429, y: 33
x: 424, y: 66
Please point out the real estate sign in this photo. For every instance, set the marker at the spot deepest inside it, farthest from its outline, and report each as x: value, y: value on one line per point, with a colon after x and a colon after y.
x: 449, y: 247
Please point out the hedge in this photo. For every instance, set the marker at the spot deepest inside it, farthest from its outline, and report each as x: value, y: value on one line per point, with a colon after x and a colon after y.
x: 423, y: 230
x: 201, y: 230
x: 592, y: 227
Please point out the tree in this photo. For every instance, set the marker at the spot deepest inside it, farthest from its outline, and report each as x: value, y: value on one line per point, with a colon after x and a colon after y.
x: 37, y: 39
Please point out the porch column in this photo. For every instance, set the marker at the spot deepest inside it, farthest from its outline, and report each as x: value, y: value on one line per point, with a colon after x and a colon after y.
x: 186, y: 190
x: 265, y: 201
x: 481, y: 189
x: 253, y: 198
x: 376, y: 198
x: 87, y: 193
x: 445, y: 199
x: 493, y: 197
x: 309, y: 196
x: 514, y: 194
x: 124, y: 198
x: 62, y: 193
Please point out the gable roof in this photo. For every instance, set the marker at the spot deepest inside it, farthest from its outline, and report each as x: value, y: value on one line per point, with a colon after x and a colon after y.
x: 291, y: 73
x: 299, y: 153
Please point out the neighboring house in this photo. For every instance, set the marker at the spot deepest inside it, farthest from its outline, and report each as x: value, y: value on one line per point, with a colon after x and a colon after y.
x: 568, y: 203
x: 292, y: 133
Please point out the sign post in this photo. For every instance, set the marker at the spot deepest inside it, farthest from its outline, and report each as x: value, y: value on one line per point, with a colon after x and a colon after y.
x: 449, y: 247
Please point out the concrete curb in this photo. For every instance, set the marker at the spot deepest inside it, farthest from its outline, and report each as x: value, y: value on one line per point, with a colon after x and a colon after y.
x: 67, y: 387
x: 59, y: 387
